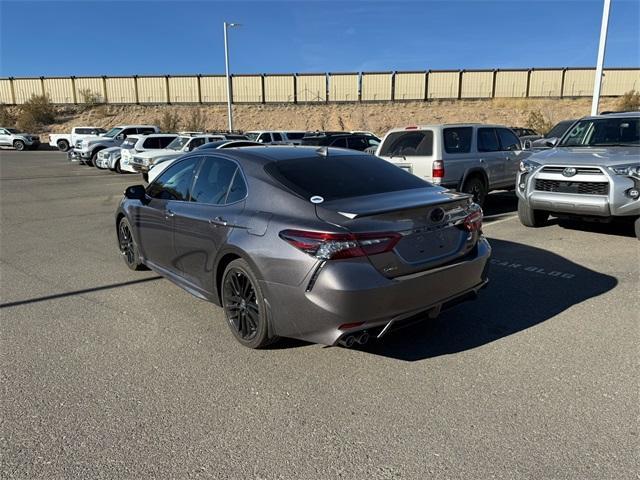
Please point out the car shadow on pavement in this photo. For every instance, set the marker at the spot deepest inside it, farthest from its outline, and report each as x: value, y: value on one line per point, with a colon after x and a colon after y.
x: 622, y: 227
x: 527, y: 286
x: 500, y: 203
x: 72, y: 293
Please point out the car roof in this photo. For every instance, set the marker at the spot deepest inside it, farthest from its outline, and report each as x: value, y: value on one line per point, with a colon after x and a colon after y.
x: 613, y: 115
x: 135, y: 126
x: 155, y: 135
x: 437, y: 126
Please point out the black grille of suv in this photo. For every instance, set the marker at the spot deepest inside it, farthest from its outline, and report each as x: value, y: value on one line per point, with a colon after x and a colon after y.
x: 583, y: 188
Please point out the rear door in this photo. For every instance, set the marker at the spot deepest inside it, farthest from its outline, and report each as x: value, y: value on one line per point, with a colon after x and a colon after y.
x: 5, y: 137
x: 203, y: 224
x: 156, y: 216
x: 491, y: 159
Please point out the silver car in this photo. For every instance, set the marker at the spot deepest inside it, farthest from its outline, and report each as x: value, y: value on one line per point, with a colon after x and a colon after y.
x: 593, y: 172
x: 471, y: 158
x: 325, y: 245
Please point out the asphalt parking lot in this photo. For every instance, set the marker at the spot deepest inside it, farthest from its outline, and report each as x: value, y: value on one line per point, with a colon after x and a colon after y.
x: 108, y: 373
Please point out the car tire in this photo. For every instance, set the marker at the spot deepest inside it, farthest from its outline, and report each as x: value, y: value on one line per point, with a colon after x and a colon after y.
x: 63, y: 145
x: 128, y: 246
x: 19, y: 145
x: 637, y: 227
x: 530, y: 217
x: 244, y: 305
x: 94, y: 158
x: 117, y: 167
x: 476, y: 186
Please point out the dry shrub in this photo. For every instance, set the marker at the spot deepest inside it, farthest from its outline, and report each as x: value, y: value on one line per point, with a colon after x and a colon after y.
x: 538, y: 122
x: 195, y: 121
x: 7, y: 119
x: 90, y: 98
x: 629, y: 101
x: 169, y: 122
x: 36, y: 113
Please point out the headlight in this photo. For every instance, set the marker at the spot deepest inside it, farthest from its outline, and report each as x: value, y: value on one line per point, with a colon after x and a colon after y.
x: 528, y: 166
x: 629, y: 169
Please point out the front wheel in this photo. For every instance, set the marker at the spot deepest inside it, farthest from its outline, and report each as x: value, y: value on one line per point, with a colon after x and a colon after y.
x: 19, y: 145
x: 530, y: 217
x: 475, y: 186
x: 244, y: 305
x: 128, y: 246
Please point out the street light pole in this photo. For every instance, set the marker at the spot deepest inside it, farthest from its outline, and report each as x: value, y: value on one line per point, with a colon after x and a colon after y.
x: 597, y: 82
x: 226, y: 67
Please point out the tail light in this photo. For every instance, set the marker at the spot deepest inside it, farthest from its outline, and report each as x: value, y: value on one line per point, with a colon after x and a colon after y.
x: 437, y: 170
x: 333, y: 246
x: 473, y: 221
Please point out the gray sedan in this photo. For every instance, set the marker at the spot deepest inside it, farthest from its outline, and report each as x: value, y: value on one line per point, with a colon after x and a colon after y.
x: 325, y: 245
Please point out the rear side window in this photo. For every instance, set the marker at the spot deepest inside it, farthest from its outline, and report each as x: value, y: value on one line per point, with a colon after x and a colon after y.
x: 295, y: 135
x: 164, y: 141
x: 175, y: 182
x: 357, y: 143
x: 457, y: 140
x: 487, y: 140
x: 213, y: 181
x: 238, y: 188
x: 340, y: 142
x: 342, y: 176
x: 408, y: 144
x: 508, y: 140
x: 146, y: 130
x: 83, y: 131
x: 276, y: 137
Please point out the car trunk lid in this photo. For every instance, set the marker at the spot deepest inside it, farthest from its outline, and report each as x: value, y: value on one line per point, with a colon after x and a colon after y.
x: 429, y: 220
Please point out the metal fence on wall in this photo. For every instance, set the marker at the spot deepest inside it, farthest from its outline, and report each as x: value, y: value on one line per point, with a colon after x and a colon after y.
x: 322, y: 87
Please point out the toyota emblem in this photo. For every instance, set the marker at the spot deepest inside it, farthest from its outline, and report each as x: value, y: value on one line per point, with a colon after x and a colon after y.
x: 569, y: 172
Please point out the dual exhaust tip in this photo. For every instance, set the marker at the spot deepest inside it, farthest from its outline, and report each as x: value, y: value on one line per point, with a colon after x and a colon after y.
x: 349, y: 341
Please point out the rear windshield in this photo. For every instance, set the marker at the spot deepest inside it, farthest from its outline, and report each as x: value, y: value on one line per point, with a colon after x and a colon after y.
x: 408, y: 144
x: 342, y: 176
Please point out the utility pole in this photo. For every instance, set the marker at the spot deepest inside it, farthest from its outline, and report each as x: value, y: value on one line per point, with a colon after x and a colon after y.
x: 226, y: 67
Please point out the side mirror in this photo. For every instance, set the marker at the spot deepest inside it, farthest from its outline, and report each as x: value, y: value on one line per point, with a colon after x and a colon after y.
x: 551, y: 142
x: 135, y: 192
x: 526, y: 145
x: 121, y: 136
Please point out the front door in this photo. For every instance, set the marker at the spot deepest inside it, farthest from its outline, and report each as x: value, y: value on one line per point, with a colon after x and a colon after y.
x: 511, y: 149
x: 155, y: 222
x: 203, y: 225
x: 491, y: 158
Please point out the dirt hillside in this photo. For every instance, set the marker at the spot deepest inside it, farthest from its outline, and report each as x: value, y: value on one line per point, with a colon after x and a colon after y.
x: 376, y: 117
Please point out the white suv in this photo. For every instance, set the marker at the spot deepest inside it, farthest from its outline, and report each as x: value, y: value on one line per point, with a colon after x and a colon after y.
x: 142, y: 162
x: 276, y: 137
x: 117, y: 158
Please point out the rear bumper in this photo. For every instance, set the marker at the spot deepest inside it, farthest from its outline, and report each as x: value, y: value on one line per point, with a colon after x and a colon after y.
x: 354, y: 291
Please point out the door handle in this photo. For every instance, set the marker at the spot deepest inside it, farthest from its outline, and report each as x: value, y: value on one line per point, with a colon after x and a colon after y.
x: 168, y: 214
x: 218, y: 222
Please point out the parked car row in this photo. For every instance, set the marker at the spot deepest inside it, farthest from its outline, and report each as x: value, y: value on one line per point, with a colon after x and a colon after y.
x: 312, y: 239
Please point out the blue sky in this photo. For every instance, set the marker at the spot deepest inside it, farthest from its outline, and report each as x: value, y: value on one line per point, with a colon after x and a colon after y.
x: 183, y: 37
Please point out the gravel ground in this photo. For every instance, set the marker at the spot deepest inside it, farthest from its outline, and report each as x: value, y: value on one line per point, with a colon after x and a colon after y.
x: 107, y: 373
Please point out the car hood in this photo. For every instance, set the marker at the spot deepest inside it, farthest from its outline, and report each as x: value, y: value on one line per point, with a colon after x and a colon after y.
x: 97, y: 139
x: 607, y: 156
